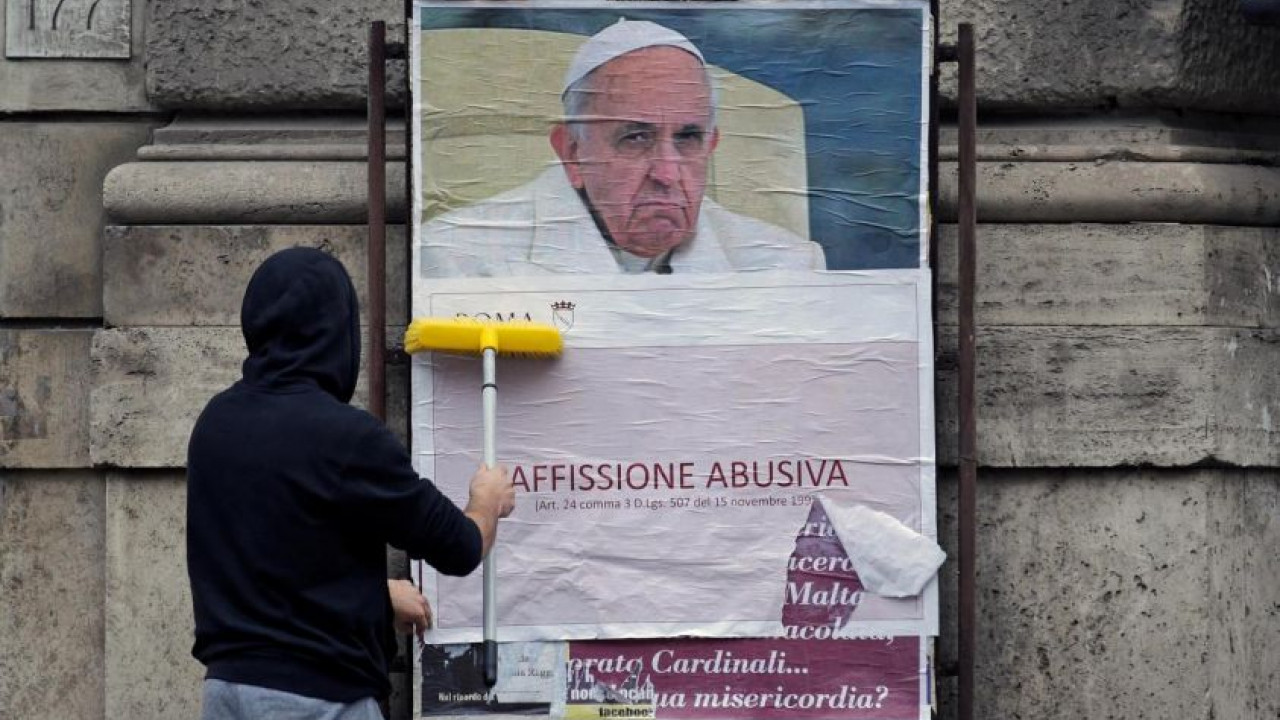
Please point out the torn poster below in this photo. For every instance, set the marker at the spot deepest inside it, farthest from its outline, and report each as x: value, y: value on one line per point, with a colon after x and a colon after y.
x: 808, y: 672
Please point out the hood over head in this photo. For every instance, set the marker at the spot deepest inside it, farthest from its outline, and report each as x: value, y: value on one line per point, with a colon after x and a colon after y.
x: 301, y: 322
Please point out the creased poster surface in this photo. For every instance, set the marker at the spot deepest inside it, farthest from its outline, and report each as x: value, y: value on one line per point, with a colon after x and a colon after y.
x: 682, y: 189
x: 797, y: 141
x: 680, y: 444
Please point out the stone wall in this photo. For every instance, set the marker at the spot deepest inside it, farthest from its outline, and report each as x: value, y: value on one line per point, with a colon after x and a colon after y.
x: 1129, y: 265
x: 72, y: 106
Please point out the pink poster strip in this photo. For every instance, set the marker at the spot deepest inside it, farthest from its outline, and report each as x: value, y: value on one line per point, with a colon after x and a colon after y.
x: 762, y: 679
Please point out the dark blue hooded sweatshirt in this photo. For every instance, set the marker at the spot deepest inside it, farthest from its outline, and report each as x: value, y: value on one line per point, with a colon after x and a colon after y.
x: 293, y: 495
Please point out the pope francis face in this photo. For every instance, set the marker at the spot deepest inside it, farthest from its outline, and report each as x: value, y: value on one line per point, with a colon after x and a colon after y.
x: 640, y: 153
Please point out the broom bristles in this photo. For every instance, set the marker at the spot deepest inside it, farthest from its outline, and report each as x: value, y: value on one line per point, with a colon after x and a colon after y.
x: 472, y: 337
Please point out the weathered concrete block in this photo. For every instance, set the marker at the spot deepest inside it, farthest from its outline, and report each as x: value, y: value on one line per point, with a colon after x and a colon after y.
x: 44, y: 415
x: 75, y: 84
x: 1246, y: 410
x: 1115, y: 396
x: 1243, y: 276
x: 1132, y: 274
x: 276, y: 55
x: 149, y: 624
x: 150, y: 384
x: 1123, y: 53
x: 51, y: 213
x: 51, y: 595
x: 1149, y: 137
x: 196, y: 275
x: 247, y: 193
x: 1119, y: 594
x: 1126, y: 53
x: 1244, y: 581
x: 332, y: 136
x: 1110, y: 191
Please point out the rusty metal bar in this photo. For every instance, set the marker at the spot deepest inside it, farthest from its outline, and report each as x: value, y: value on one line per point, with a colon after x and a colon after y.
x: 968, y: 119
x: 377, y: 247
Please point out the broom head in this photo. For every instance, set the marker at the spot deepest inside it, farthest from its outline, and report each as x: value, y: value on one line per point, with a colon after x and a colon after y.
x: 472, y: 337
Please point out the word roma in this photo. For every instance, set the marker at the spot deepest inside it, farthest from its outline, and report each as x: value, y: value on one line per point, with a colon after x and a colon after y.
x: 561, y: 477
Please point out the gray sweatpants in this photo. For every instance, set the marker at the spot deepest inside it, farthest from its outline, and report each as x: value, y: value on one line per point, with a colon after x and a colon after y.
x: 233, y: 701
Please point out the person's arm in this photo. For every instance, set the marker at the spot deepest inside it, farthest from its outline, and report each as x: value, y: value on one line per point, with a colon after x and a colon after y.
x: 381, y: 493
x: 492, y: 497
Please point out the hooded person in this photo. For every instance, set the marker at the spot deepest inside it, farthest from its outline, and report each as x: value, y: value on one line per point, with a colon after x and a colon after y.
x: 293, y: 496
x: 628, y: 193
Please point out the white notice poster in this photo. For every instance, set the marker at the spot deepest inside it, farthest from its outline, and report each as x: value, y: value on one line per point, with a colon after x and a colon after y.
x: 666, y: 464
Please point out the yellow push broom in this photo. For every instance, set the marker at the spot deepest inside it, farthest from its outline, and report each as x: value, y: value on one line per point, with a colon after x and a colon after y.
x: 487, y: 339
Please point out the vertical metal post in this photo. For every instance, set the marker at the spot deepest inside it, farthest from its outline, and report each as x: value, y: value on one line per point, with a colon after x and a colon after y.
x: 377, y: 247
x: 967, y: 369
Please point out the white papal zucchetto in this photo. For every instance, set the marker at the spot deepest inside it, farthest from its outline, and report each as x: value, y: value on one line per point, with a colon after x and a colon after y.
x: 619, y: 39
